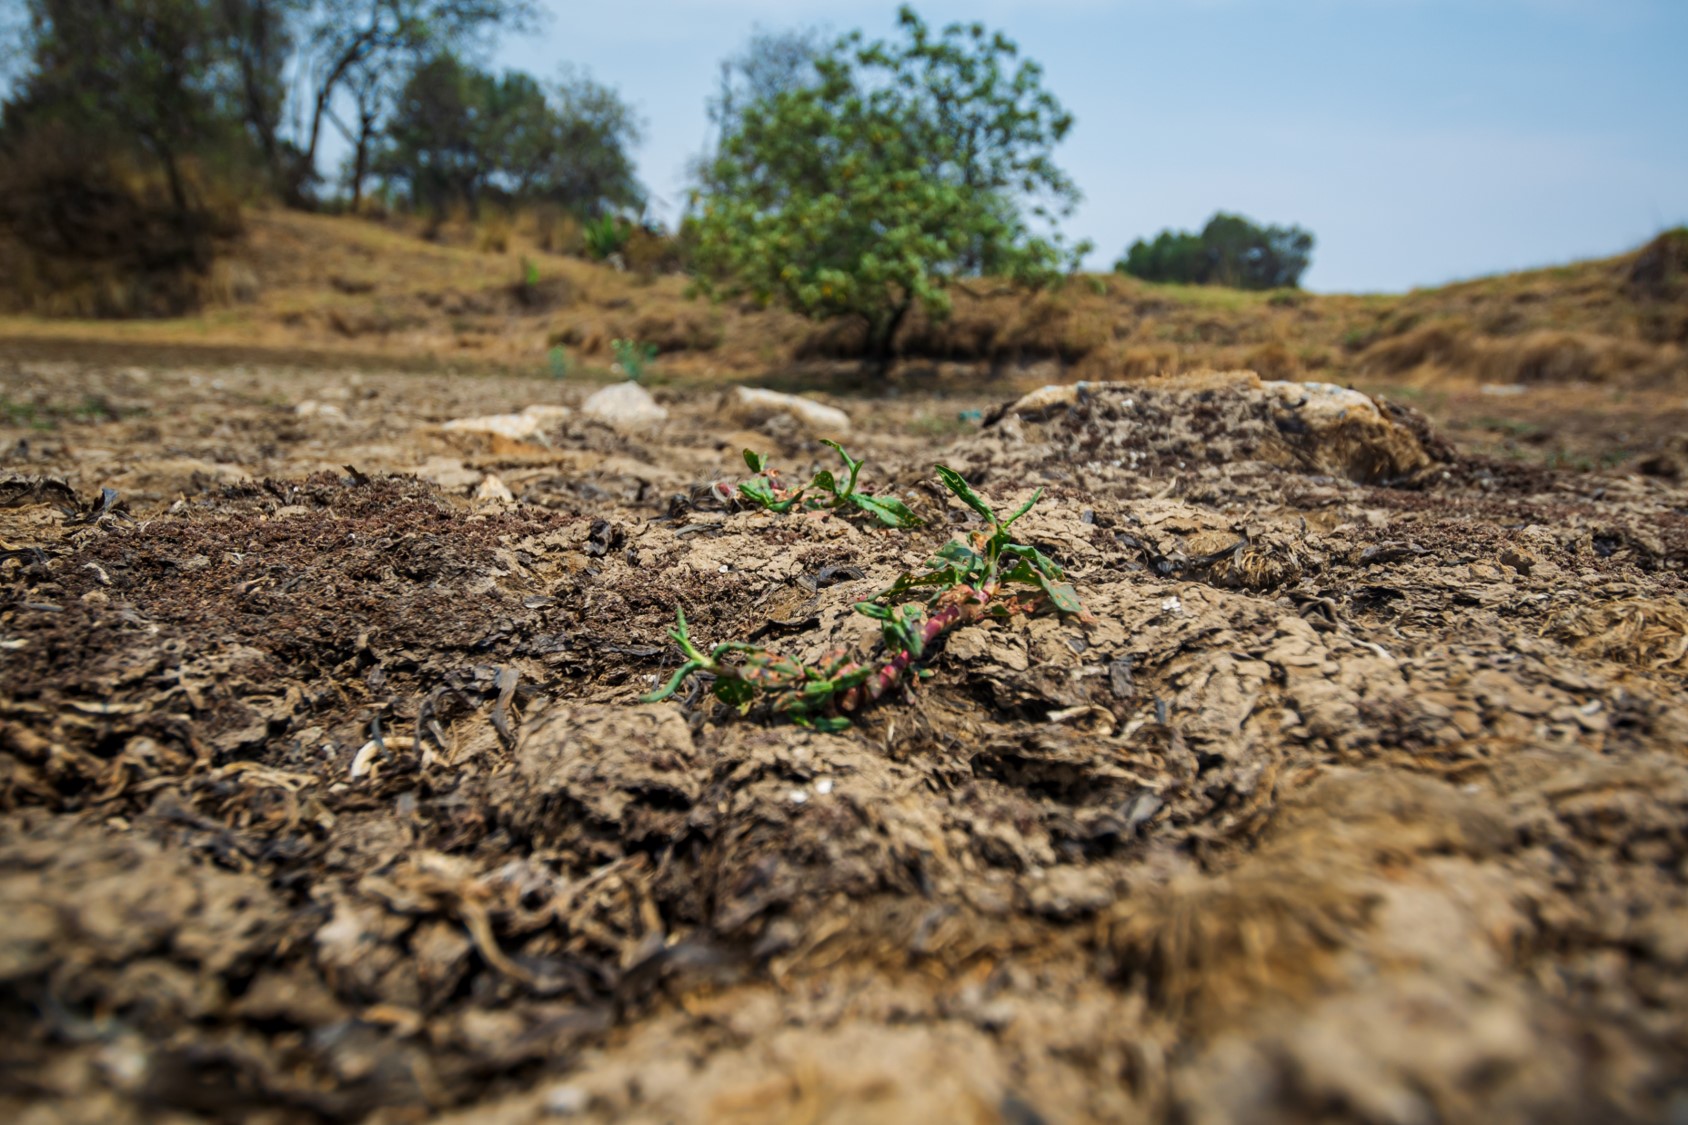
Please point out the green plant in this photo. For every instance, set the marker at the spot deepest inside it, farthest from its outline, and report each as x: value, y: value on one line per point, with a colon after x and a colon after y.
x: 901, y: 166
x: 1230, y: 250
x: 558, y: 360
x: 984, y: 576
x: 605, y: 236
x: 824, y: 491
x: 633, y: 358
x: 25, y: 414
x: 530, y: 272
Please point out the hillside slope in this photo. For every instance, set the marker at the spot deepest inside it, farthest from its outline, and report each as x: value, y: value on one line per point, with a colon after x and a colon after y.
x: 351, y: 286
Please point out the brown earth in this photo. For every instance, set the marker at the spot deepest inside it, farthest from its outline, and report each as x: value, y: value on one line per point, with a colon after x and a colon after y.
x: 325, y: 794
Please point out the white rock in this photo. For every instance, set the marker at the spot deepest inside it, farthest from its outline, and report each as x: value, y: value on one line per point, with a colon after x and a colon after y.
x: 517, y: 427
x: 1319, y: 401
x: 327, y: 412
x: 447, y: 472
x: 625, y: 406
x: 548, y: 413
x: 759, y: 403
x: 491, y: 488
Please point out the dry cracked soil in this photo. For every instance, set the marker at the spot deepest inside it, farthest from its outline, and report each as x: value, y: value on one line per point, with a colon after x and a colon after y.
x: 325, y: 793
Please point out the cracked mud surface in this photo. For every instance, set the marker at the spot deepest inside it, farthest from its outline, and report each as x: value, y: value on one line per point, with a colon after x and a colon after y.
x: 325, y: 794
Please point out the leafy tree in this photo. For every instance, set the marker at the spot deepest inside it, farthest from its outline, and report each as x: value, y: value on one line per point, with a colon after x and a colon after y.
x: 459, y: 134
x: 433, y: 143
x: 144, y: 75
x: 181, y: 78
x: 361, y: 47
x: 1230, y: 250
x: 258, y: 37
x: 900, y: 168
x: 772, y: 63
x: 570, y: 144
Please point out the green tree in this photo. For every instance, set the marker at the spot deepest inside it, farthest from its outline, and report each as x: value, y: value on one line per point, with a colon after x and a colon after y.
x: 145, y: 76
x: 460, y: 135
x: 900, y: 168
x: 570, y: 143
x: 1230, y: 250
x: 771, y: 63
x: 361, y: 48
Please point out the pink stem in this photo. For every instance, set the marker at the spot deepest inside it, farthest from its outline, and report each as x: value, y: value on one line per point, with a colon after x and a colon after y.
x: 969, y: 608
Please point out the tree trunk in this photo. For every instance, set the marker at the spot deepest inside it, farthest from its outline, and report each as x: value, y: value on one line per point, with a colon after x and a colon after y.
x: 360, y: 161
x: 882, y: 339
x: 173, y: 178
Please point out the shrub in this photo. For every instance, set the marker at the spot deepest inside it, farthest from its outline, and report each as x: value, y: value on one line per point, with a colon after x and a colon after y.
x: 1230, y: 250
x: 632, y: 357
x: 605, y: 237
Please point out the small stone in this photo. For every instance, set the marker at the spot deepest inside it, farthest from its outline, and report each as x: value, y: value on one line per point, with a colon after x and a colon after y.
x: 516, y: 427
x: 493, y: 489
x: 323, y: 411
x: 1519, y: 560
x: 566, y: 1100
x: 754, y: 403
x: 625, y: 406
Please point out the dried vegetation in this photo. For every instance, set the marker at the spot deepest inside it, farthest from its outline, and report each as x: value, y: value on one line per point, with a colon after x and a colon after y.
x: 445, y: 295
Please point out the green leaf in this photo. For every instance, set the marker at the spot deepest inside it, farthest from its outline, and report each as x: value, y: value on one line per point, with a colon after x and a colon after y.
x: 825, y: 482
x: 957, y: 551
x: 1023, y: 508
x: 757, y: 461
x: 1038, y: 559
x: 673, y: 685
x: 888, y: 511
x: 850, y: 463
x: 759, y: 491
x: 1061, y: 595
x: 734, y: 693
x: 826, y: 724
x: 956, y: 484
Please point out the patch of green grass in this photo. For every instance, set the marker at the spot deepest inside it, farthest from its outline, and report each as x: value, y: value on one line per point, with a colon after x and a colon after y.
x: 1511, y: 427
x: 939, y: 425
x: 44, y: 417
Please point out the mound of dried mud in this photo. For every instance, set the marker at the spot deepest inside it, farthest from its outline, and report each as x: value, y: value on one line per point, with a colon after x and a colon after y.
x: 327, y: 797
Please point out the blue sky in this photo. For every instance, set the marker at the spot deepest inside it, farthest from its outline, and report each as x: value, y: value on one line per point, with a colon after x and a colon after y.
x: 1420, y: 140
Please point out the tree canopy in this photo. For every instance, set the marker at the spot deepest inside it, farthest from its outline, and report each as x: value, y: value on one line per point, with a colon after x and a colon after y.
x: 460, y: 135
x: 898, y: 168
x: 231, y: 83
x: 1230, y: 250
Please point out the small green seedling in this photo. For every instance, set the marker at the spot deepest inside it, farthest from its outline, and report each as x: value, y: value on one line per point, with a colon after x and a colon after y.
x: 967, y: 581
x: 825, y: 491
x: 633, y: 357
x: 558, y: 360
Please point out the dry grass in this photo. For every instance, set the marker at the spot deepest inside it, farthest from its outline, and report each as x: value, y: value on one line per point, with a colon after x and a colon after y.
x: 455, y: 288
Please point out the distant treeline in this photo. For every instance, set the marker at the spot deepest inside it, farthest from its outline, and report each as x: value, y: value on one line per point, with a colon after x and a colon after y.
x: 847, y: 178
x: 1230, y: 250
x: 244, y: 93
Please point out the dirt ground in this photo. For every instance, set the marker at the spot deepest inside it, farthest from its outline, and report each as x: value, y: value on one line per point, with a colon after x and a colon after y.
x: 325, y: 794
